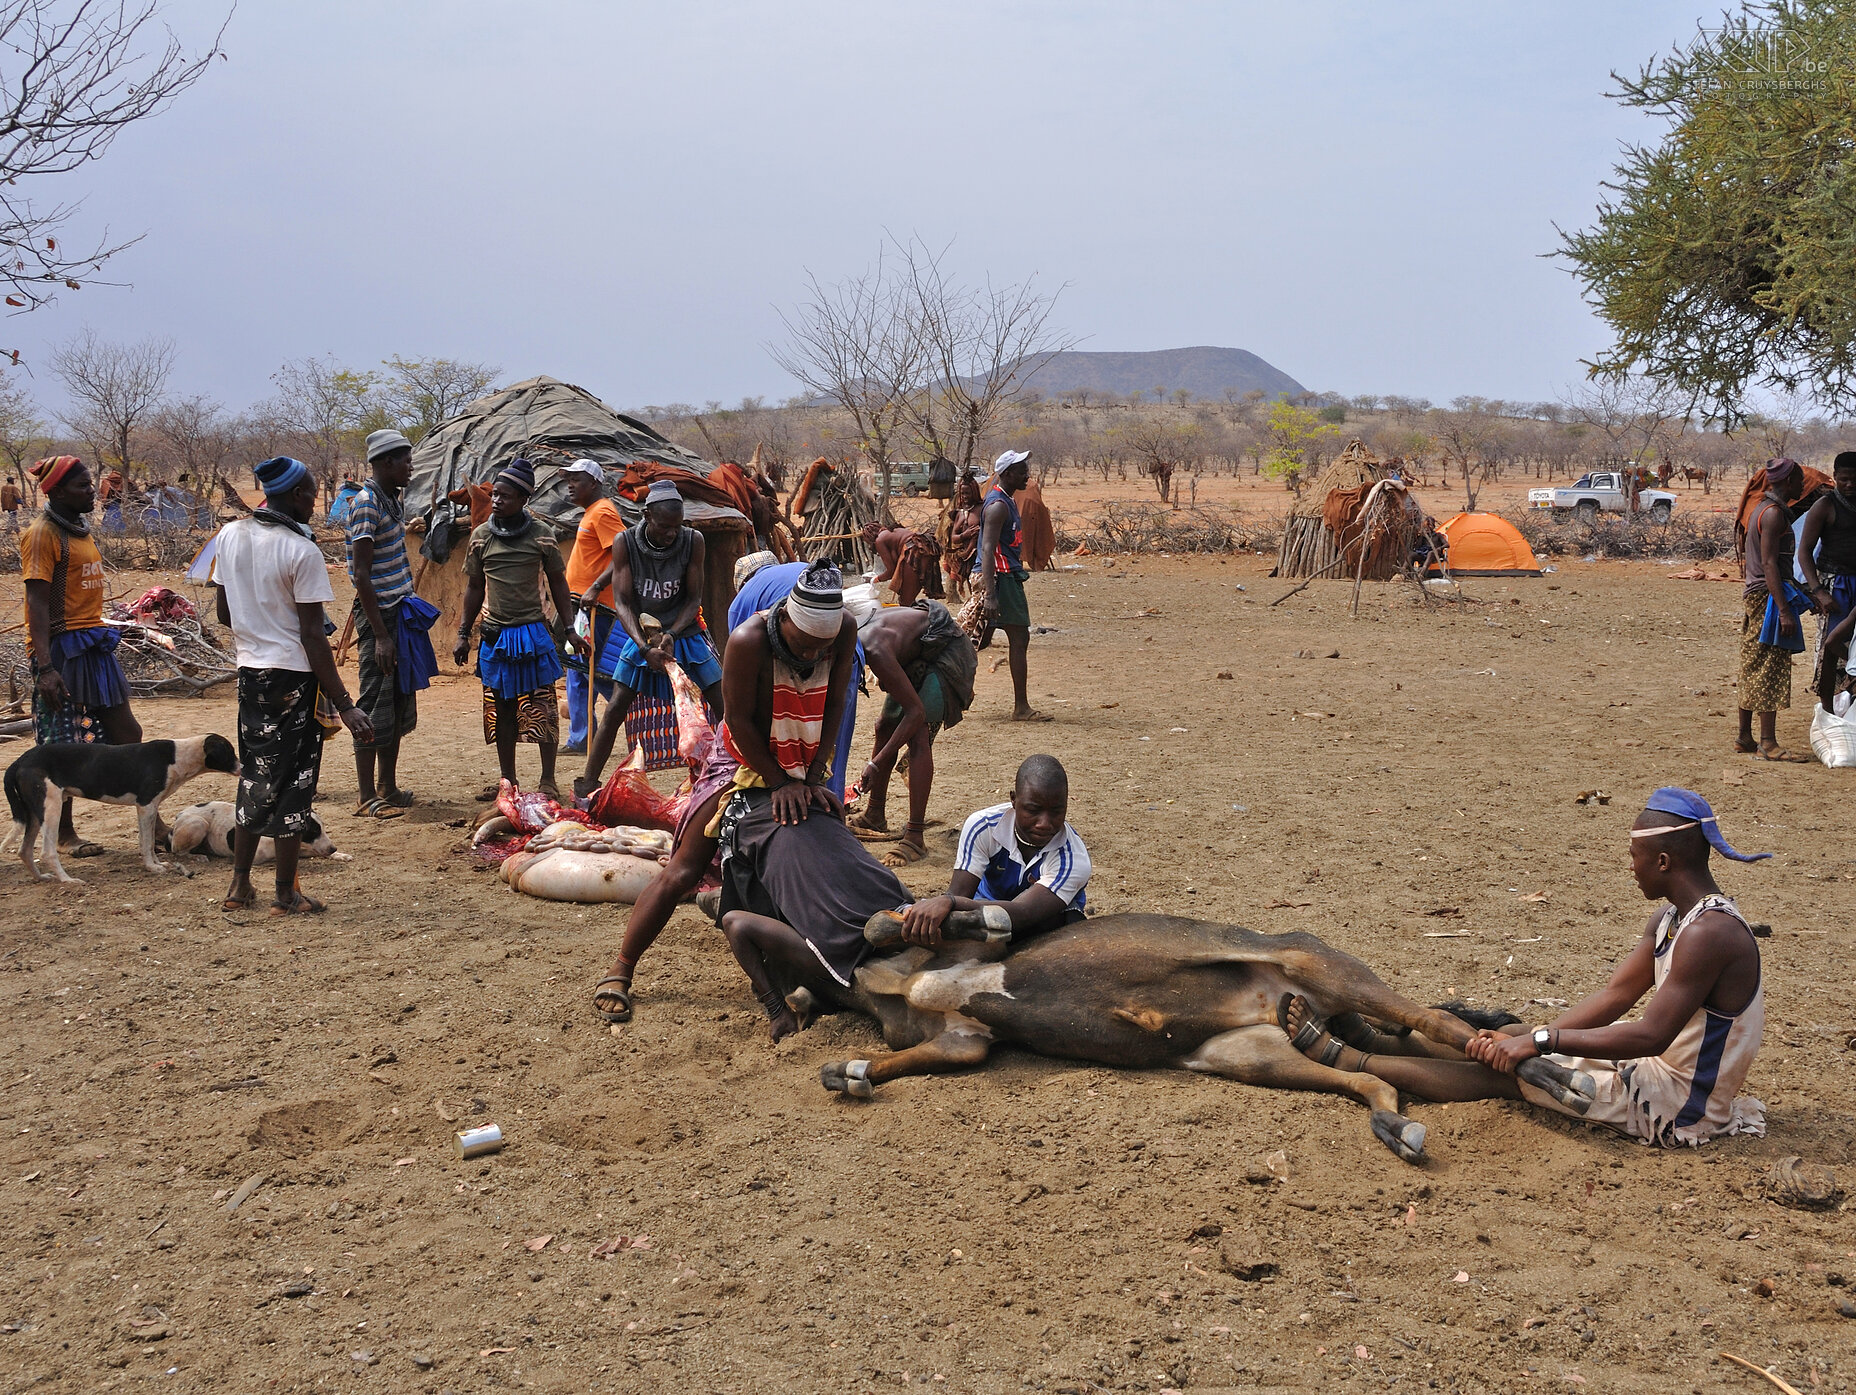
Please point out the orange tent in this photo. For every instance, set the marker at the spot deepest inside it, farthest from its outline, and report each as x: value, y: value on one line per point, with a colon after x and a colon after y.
x: 1486, y: 544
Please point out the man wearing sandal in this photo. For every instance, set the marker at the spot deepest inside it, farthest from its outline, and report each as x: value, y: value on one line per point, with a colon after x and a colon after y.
x: 1771, y: 630
x: 924, y: 663
x: 272, y: 585
x: 382, y: 577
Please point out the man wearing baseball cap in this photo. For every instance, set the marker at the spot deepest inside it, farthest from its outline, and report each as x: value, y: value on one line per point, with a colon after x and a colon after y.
x: 589, y: 580
x: 999, y: 574
x: 657, y: 584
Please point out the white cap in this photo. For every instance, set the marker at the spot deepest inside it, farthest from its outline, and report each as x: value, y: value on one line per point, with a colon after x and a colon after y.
x: 1007, y: 459
x: 592, y: 469
x: 380, y: 442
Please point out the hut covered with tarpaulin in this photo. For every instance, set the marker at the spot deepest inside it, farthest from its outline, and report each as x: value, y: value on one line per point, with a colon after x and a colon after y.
x: 552, y: 424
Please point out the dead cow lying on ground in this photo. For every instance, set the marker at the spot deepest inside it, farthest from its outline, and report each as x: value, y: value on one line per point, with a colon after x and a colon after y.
x: 1139, y: 991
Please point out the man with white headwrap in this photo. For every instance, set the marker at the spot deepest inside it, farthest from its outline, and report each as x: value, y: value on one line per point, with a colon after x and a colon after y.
x: 1668, y: 1078
x: 797, y: 886
x: 786, y: 674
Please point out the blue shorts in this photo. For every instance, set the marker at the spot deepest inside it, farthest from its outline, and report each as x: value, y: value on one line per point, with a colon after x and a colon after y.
x: 623, y: 662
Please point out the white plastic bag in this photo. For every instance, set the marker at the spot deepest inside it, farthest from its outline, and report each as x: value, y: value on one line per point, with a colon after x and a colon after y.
x: 1833, y: 739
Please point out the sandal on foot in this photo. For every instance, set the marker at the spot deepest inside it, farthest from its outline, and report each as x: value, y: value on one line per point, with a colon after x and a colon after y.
x: 303, y: 905
x: 1746, y: 748
x: 1779, y: 753
x: 376, y: 808
x: 1311, y: 1033
x: 903, y: 854
x: 83, y: 847
x: 622, y: 992
x: 237, y: 903
x: 399, y: 799
x: 488, y: 794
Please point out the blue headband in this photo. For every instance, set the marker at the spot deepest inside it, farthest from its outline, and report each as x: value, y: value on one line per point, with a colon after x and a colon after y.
x: 1688, y: 805
x: 279, y: 475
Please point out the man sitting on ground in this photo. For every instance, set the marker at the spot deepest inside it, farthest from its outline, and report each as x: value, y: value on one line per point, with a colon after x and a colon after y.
x: 1023, y: 854
x: 1672, y: 1076
x: 785, y: 674
x: 924, y: 663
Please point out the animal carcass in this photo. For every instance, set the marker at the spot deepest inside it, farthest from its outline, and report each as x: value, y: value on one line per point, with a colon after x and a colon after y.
x: 1144, y: 992
x: 568, y: 861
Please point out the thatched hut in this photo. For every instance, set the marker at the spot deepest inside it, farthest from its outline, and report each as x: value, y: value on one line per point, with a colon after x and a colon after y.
x: 553, y: 423
x: 1311, y: 541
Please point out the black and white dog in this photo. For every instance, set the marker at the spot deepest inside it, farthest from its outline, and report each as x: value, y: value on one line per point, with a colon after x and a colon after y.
x: 142, y: 775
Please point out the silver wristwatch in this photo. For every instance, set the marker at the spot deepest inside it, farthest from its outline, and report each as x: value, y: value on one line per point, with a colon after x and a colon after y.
x: 1543, y: 1039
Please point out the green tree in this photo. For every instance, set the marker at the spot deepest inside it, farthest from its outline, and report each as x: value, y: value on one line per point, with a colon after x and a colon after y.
x: 1292, y: 432
x: 1722, y: 257
x: 419, y: 394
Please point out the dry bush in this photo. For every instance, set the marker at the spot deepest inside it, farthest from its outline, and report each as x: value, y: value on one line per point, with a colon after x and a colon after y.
x: 1699, y: 536
x: 1145, y: 528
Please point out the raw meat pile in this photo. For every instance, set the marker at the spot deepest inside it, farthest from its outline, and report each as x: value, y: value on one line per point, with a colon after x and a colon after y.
x: 560, y: 847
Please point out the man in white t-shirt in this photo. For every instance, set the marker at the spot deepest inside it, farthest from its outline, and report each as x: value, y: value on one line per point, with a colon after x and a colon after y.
x: 1022, y: 854
x: 273, y: 583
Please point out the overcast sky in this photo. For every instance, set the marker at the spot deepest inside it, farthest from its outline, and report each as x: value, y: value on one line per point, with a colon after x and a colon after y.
x: 622, y: 194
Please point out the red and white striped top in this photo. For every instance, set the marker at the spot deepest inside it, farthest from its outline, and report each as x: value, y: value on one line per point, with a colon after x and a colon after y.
x: 798, y: 720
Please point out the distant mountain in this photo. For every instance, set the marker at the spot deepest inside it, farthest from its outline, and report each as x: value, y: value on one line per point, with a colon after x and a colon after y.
x: 1205, y: 372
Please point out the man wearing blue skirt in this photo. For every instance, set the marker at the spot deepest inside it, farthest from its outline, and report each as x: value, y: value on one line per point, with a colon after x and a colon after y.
x: 518, y: 657
x: 657, y: 582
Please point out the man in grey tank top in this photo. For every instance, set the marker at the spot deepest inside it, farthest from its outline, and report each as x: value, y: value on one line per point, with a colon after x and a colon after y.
x: 657, y: 581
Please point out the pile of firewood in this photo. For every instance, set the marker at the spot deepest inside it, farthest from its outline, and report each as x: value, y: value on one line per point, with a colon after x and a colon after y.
x: 835, y: 506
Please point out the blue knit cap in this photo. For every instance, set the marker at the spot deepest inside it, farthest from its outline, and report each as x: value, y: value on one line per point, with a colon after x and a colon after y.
x: 518, y: 473
x: 279, y: 475
x: 1686, y: 804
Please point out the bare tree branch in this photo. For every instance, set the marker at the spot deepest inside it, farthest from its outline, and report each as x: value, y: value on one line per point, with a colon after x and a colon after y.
x: 74, y: 74
x: 113, y: 387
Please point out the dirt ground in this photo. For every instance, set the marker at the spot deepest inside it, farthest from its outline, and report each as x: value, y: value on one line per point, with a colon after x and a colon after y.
x: 1034, y: 1225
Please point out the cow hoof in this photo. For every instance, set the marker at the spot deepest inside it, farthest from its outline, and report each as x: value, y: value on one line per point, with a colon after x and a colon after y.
x: 989, y: 924
x: 1573, y: 1089
x: 883, y: 930
x: 1403, y: 1136
x: 847, y: 1078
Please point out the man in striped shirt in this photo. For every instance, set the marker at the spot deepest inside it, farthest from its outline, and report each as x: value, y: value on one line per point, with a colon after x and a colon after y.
x: 382, y: 577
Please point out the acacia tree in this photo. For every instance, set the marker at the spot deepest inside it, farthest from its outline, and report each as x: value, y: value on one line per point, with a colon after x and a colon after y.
x: 197, y: 438
x: 983, y: 345
x: 1631, y: 414
x: 113, y: 388
x: 73, y: 76
x: 324, y: 405
x: 858, y: 344
x: 1721, y: 257
x: 419, y: 394
x: 22, y: 432
x: 1161, y: 447
x: 1293, y: 434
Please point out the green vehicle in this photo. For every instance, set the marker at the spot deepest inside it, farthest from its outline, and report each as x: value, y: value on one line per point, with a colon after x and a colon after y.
x: 906, y: 477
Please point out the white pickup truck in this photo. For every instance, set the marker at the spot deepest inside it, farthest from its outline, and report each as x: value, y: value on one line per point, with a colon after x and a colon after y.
x: 1602, y: 491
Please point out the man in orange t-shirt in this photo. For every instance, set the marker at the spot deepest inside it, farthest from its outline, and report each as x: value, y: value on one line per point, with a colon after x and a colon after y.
x: 589, y: 579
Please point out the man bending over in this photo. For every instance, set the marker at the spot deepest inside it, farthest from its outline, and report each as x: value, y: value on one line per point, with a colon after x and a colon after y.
x: 924, y: 663
x: 785, y: 674
x: 1671, y: 1076
x: 1023, y: 854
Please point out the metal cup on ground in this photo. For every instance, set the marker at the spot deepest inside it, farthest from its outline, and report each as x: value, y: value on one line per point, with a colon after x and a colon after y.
x: 479, y: 1142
